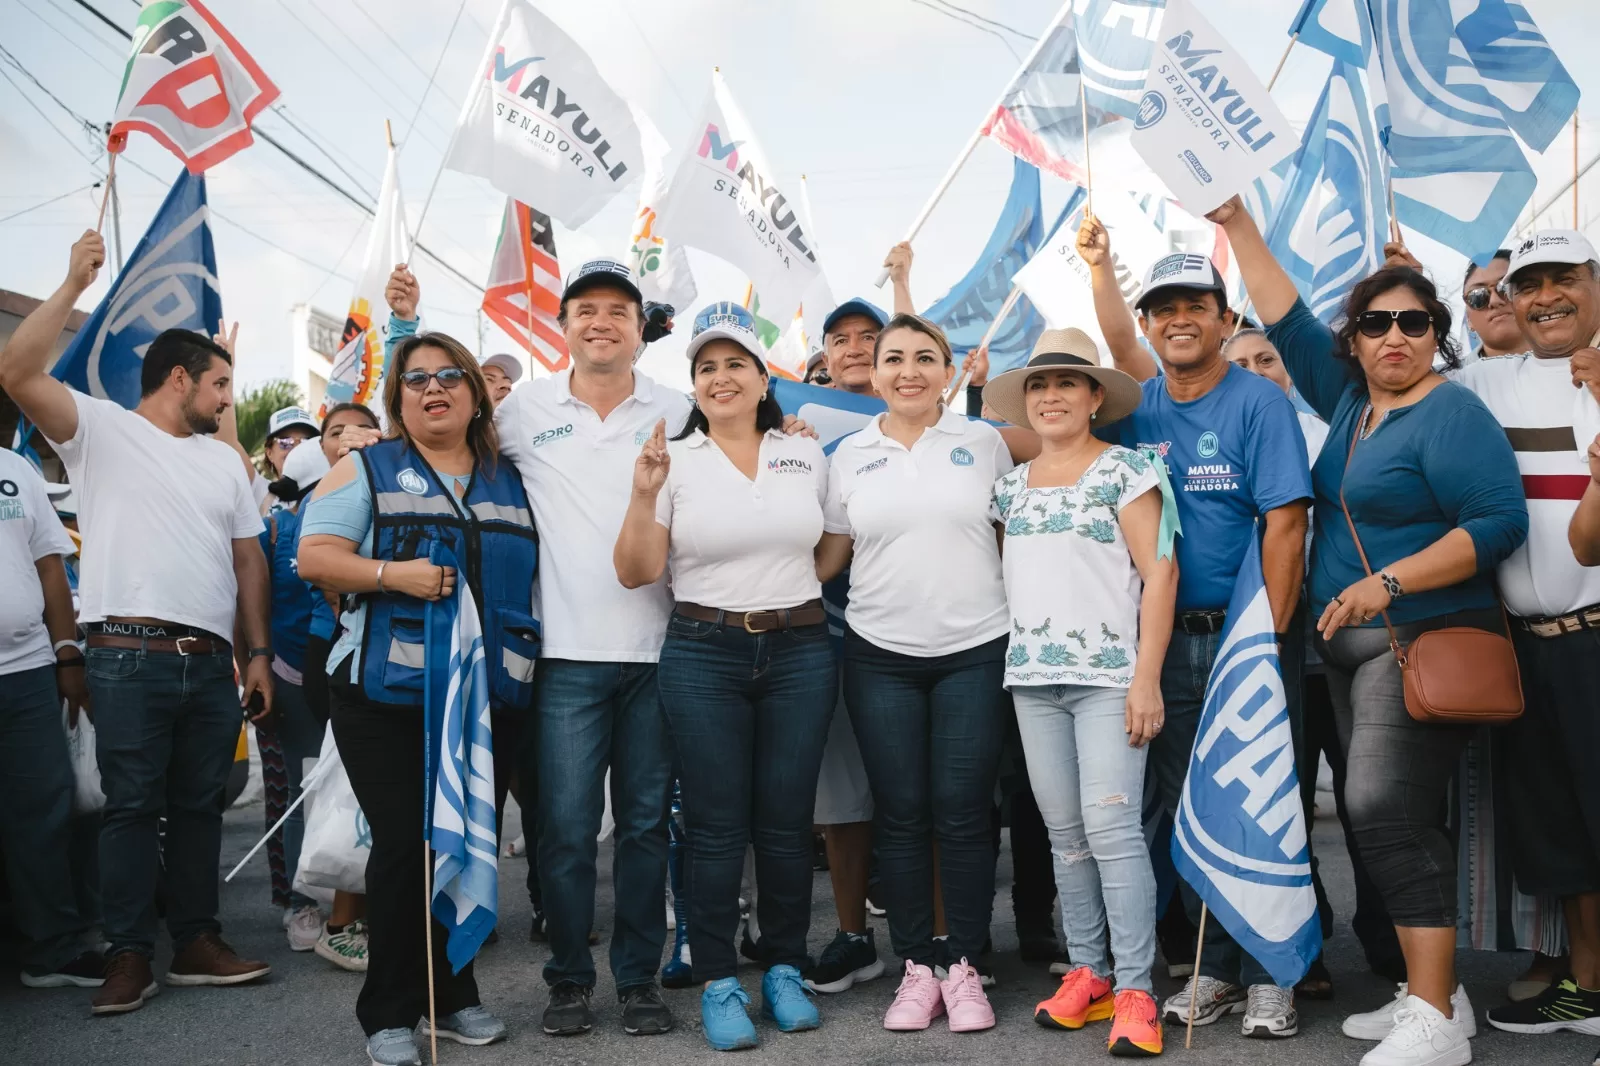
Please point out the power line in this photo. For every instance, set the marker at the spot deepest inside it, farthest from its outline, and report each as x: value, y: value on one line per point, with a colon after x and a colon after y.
x: 1030, y: 38
x: 89, y: 31
x: 47, y: 203
x: 263, y: 134
x: 92, y: 161
x: 283, y: 114
x: 969, y: 22
x: 81, y: 49
x: 426, y: 89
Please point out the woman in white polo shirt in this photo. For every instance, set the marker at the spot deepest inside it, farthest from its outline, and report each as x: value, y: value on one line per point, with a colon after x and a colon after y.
x: 1091, y: 587
x: 733, y: 508
x: 924, y: 658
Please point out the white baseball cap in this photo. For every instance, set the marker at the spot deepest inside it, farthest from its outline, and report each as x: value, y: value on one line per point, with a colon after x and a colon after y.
x: 508, y: 364
x: 285, y: 417
x: 1551, y: 246
x: 305, y: 466
x: 1182, y: 270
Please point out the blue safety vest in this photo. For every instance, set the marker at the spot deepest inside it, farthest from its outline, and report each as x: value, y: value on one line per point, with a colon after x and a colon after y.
x: 491, y: 531
x: 291, y: 597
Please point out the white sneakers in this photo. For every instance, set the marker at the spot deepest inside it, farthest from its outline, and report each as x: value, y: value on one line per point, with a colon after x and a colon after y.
x: 304, y: 926
x: 1269, y: 1013
x: 1422, y: 1037
x: 1377, y: 1024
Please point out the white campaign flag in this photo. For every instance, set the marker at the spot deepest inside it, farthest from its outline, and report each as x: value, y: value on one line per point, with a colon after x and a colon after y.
x: 725, y: 199
x: 1205, y: 123
x: 661, y: 267
x: 357, y: 373
x: 542, y: 124
x: 1056, y: 279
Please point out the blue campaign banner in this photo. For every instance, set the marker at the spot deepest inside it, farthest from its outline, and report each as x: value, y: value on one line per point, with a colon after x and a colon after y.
x: 169, y: 282
x: 833, y: 413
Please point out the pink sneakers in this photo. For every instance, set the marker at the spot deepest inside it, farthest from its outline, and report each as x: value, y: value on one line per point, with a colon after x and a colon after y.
x: 919, y: 1001
x: 964, y: 1000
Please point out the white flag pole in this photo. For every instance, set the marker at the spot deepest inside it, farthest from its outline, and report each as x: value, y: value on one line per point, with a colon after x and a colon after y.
x: 994, y: 327
x: 1088, y: 170
x: 972, y: 142
x: 479, y: 80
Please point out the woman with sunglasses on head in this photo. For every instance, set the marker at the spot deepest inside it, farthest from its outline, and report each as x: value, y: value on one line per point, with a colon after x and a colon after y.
x: 396, y: 526
x: 732, y: 507
x: 1436, y: 502
x: 923, y: 681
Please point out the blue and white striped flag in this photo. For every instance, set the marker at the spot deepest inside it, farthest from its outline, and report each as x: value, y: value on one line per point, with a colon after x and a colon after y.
x: 1533, y: 91
x: 460, y: 823
x: 1240, y: 833
x: 1330, y: 220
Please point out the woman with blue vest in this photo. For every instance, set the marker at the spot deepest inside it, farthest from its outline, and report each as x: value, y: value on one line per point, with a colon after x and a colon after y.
x: 431, y: 486
x: 747, y: 679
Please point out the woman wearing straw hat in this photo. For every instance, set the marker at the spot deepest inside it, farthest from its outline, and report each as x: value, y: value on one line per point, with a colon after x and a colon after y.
x: 922, y: 682
x: 1090, y: 583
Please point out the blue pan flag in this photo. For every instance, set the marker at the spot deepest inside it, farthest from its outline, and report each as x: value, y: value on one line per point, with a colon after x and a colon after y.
x: 170, y: 282
x: 1239, y: 837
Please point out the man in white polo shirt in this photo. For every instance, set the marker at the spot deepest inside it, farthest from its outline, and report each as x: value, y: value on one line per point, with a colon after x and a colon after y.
x: 170, y: 550
x: 1553, y: 750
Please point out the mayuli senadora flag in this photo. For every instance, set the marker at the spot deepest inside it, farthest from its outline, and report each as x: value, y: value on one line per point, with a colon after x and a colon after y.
x: 357, y: 373
x: 542, y: 124
x: 523, y: 296
x: 726, y: 199
x: 459, y: 746
x: 169, y: 282
x: 1239, y: 837
x: 189, y: 85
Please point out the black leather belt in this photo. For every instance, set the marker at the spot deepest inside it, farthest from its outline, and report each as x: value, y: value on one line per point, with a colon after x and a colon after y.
x: 1201, y: 622
x: 807, y: 614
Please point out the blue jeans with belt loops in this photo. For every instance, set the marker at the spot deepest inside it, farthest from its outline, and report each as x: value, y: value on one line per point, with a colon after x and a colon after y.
x: 749, y: 715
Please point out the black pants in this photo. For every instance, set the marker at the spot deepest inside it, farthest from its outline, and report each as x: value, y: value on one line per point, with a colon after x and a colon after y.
x: 382, y: 751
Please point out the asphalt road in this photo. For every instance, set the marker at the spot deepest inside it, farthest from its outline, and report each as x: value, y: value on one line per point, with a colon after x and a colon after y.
x: 305, y: 1012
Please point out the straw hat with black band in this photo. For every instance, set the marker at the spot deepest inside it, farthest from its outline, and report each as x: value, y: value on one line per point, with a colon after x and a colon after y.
x: 1063, y: 349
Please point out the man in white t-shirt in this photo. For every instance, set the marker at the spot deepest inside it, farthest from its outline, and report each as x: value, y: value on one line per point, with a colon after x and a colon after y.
x: 170, y: 551
x: 1553, y: 750
x: 40, y: 665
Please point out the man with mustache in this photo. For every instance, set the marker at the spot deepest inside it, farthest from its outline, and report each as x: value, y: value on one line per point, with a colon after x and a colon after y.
x: 170, y: 561
x: 1553, y: 283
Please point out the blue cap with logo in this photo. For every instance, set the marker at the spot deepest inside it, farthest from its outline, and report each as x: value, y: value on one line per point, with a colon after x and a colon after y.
x: 725, y: 320
x: 601, y: 272
x: 854, y: 306
x: 1182, y: 270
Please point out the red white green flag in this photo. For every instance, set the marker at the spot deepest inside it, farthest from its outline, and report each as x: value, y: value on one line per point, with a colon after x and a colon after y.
x: 189, y: 85
x: 523, y: 296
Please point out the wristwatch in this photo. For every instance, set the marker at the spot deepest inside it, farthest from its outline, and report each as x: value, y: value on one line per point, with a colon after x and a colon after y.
x: 1391, y: 585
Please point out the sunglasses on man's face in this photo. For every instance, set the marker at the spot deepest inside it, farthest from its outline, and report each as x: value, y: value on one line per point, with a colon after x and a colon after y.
x: 1377, y: 323
x: 448, y: 378
x: 1478, y: 297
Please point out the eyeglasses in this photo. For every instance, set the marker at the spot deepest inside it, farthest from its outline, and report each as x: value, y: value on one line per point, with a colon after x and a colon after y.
x: 283, y: 444
x: 1377, y: 323
x: 1478, y: 297
x: 448, y: 378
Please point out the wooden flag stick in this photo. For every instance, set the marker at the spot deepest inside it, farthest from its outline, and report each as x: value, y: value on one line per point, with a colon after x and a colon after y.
x: 111, y: 176
x: 1575, y: 224
x: 1394, y: 217
x: 427, y: 924
x: 1088, y: 170
x: 1194, y: 979
x: 994, y: 327
x: 1293, y: 37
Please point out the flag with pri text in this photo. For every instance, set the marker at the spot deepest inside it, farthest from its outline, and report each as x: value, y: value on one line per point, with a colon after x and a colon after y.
x: 188, y: 84
x: 523, y: 296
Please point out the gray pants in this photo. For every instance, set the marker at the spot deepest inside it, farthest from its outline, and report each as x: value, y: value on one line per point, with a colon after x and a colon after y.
x: 36, y: 805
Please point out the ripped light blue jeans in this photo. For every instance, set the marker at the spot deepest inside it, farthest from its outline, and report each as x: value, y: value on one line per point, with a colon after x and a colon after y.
x: 1088, y: 783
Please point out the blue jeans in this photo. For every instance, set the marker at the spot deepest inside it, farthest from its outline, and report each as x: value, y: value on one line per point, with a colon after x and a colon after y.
x: 930, y: 732
x: 36, y: 789
x: 1184, y: 673
x: 166, y: 726
x: 1088, y: 782
x: 593, y: 716
x: 749, y: 715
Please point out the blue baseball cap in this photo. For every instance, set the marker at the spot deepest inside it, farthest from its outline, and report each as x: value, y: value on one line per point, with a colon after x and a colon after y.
x: 725, y: 320
x: 855, y: 306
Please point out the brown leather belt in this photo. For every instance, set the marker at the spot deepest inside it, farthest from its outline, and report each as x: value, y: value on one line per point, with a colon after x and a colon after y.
x: 807, y: 614
x: 164, y: 645
x: 1581, y: 619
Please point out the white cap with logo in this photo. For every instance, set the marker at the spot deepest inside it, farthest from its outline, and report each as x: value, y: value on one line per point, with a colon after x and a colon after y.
x: 1182, y: 270
x: 1551, y: 246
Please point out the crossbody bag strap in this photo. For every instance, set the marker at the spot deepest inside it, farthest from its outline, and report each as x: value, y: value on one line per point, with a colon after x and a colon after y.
x: 1355, y: 435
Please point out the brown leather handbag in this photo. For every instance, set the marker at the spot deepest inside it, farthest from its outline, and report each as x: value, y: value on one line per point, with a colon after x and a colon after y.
x: 1459, y: 675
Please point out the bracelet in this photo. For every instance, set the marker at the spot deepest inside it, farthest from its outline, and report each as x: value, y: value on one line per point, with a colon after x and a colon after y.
x: 380, y: 575
x: 58, y: 645
x: 260, y: 653
x: 1391, y: 585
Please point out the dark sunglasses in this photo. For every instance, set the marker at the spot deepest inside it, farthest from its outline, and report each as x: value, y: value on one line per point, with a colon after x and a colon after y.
x: 1377, y: 323
x: 1478, y: 297
x: 448, y: 378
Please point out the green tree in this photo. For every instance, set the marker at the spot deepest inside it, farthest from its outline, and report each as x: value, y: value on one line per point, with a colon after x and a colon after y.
x: 254, y: 407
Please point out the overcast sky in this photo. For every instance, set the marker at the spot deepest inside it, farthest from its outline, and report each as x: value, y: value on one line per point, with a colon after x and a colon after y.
x: 871, y: 99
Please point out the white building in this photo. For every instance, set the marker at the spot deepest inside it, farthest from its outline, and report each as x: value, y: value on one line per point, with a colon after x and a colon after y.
x: 314, y: 338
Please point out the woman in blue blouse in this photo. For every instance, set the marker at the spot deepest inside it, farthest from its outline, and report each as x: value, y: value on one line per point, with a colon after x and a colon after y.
x: 1433, y: 489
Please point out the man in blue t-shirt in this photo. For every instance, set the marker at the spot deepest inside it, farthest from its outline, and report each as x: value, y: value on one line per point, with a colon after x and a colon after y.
x: 1237, y: 461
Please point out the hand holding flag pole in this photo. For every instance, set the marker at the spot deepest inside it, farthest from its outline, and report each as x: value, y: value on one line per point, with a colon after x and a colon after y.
x: 994, y: 327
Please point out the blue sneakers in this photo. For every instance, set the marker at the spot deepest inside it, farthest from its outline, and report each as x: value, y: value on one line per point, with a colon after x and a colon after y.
x: 784, y: 1000
x: 393, y: 1047
x: 722, y: 1013
x: 474, y: 1026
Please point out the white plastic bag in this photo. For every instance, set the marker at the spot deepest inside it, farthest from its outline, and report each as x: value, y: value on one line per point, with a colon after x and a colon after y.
x: 86, y: 795
x: 338, y: 841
